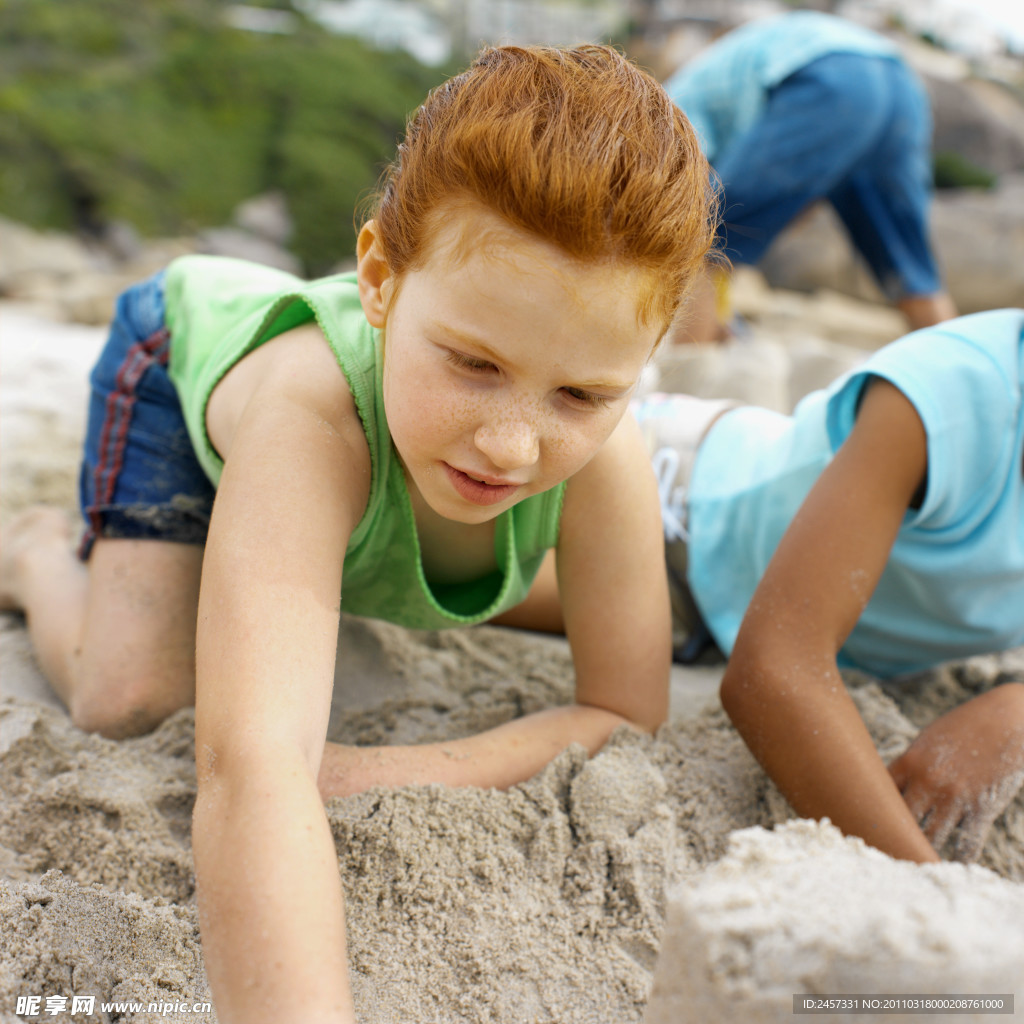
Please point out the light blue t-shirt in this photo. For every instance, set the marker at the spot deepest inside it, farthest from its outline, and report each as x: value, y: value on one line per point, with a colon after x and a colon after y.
x: 724, y: 89
x: 954, y: 582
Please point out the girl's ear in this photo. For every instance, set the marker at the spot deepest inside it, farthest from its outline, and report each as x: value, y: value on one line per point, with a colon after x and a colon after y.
x: 373, y: 274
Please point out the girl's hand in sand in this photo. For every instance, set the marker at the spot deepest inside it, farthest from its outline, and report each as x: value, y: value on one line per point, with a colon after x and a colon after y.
x: 963, y: 770
x: 499, y: 757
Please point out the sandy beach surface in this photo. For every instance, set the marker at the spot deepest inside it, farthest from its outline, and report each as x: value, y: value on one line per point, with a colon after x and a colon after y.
x: 547, y: 903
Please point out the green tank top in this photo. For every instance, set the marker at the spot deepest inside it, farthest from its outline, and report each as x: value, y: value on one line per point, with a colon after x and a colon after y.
x: 220, y: 309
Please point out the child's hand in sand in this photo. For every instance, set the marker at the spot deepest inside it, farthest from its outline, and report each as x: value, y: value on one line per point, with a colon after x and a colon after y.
x: 964, y: 769
x: 498, y: 758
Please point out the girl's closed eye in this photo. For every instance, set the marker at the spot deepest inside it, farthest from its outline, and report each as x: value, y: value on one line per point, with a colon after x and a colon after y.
x: 587, y: 398
x: 465, y: 362
x: 577, y: 396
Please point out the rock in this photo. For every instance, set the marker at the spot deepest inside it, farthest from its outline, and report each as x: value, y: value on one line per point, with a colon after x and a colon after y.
x: 814, y: 252
x: 122, y: 241
x: 773, y: 369
x: 266, y: 216
x: 90, y: 298
x: 978, y: 237
x: 981, y: 121
x: 244, y: 245
x: 787, y: 344
x: 751, y: 371
x: 826, y: 314
x: 29, y: 258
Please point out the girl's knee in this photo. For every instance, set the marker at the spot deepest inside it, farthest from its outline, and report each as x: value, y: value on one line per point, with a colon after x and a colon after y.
x: 115, y: 723
x: 119, y: 707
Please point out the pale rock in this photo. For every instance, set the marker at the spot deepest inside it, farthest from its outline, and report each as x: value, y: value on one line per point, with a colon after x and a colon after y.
x: 267, y: 216
x: 244, y: 245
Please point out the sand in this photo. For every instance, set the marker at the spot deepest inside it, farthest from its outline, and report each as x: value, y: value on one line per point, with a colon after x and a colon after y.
x: 545, y: 903
x: 762, y: 928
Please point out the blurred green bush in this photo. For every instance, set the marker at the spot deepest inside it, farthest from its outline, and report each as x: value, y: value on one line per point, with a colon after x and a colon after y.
x: 159, y: 113
x: 954, y: 170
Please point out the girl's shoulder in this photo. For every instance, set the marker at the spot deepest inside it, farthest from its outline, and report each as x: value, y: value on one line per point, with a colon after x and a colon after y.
x: 221, y: 312
x: 297, y: 366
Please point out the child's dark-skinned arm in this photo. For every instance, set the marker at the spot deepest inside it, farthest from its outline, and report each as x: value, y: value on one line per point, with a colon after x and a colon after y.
x: 782, y: 687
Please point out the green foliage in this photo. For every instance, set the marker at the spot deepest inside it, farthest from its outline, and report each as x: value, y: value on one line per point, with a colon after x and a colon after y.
x: 953, y: 170
x: 161, y: 114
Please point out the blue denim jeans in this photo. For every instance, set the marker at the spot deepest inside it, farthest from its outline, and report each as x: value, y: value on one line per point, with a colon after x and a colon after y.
x: 854, y: 130
x: 139, y: 476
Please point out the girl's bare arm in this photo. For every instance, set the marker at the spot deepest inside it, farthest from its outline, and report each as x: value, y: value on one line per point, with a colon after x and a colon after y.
x: 613, y: 585
x: 615, y: 603
x: 270, y: 898
x: 782, y: 687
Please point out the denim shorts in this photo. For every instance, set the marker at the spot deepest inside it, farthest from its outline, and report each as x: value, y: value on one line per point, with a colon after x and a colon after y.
x: 851, y: 129
x: 140, y: 477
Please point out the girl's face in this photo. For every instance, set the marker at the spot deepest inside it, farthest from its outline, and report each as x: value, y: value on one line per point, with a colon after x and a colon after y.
x: 506, y: 369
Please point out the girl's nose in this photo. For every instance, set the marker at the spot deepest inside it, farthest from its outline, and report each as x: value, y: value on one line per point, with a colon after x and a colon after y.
x: 509, y: 441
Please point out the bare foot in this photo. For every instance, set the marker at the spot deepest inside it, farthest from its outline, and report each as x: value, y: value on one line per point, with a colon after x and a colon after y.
x: 37, y: 529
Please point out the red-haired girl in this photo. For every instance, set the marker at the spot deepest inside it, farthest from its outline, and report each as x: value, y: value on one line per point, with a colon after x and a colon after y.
x: 407, y: 442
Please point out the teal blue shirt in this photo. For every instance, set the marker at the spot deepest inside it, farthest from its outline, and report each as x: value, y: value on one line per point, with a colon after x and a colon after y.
x: 724, y: 89
x: 220, y: 309
x: 954, y: 583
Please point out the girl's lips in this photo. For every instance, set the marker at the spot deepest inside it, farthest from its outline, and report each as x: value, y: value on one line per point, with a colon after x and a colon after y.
x: 477, y: 491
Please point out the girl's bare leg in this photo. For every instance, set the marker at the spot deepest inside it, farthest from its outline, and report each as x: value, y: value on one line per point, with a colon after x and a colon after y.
x: 116, y: 637
x: 40, y: 576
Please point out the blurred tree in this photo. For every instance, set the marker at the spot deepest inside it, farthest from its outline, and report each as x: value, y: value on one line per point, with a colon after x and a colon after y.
x: 954, y: 170
x: 161, y: 114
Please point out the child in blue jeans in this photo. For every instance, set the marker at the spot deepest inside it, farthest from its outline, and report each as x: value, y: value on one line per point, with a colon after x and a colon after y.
x: 879, y: 527
x: 805, y: 106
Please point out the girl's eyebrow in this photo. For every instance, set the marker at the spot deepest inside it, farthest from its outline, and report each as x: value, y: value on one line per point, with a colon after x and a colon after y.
x: 610, y: 389
x: 479, y: 346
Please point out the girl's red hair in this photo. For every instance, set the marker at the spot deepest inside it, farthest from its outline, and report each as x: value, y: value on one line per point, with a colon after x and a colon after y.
x: 579, y: 147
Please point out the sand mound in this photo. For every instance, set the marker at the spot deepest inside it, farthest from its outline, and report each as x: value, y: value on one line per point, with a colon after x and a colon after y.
x: 802, y: 910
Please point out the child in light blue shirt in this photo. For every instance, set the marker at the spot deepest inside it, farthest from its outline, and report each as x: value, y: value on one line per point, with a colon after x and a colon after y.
x: 803, y: 107
x: 880, y: 526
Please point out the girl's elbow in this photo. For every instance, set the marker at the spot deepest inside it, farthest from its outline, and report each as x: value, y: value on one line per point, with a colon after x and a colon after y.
x: 650, y: 722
